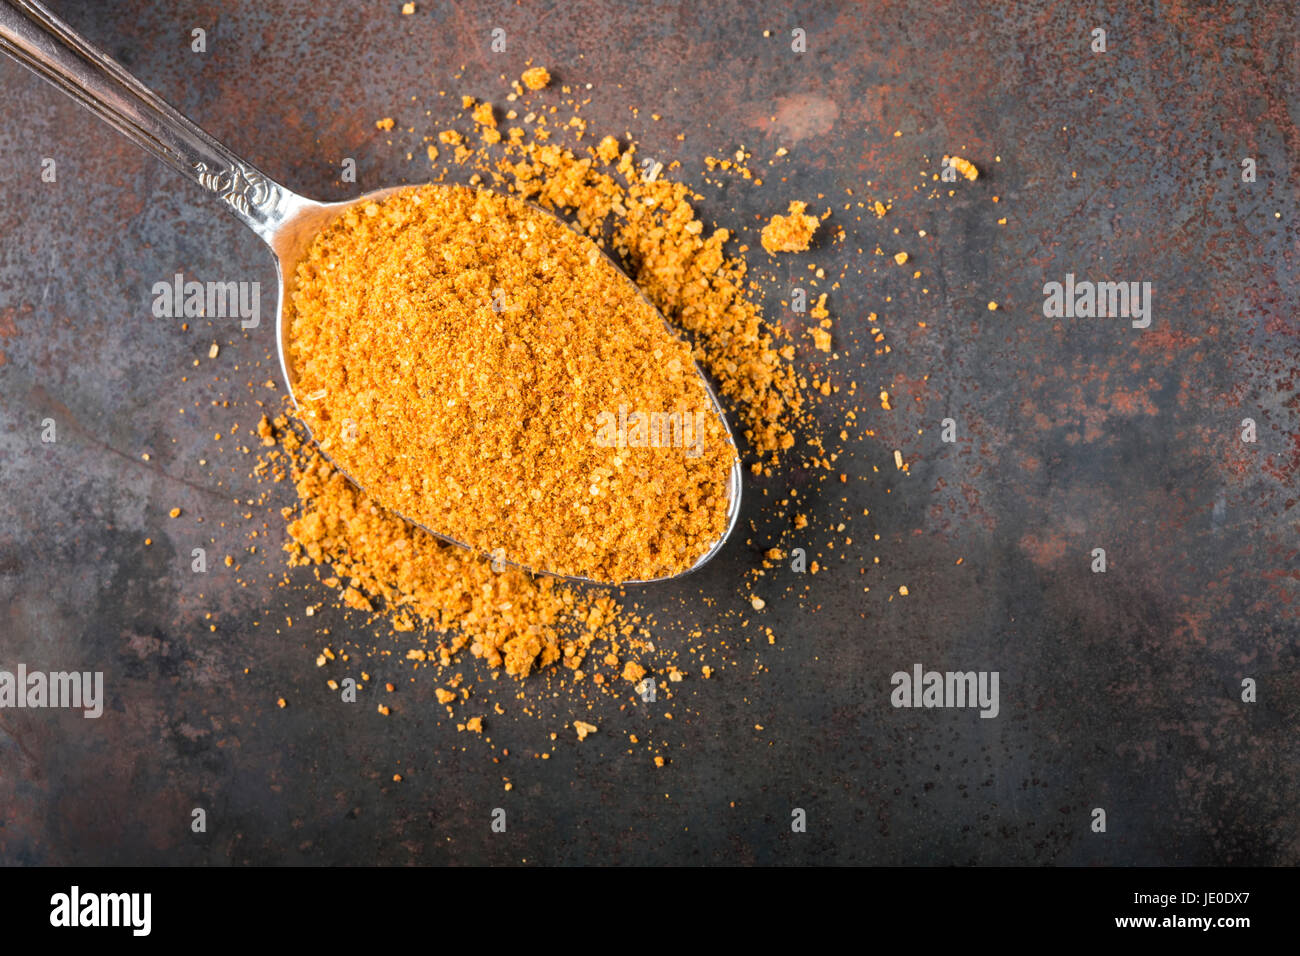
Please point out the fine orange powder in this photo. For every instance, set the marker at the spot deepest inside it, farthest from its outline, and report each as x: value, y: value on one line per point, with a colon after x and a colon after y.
x: 451, y: 600
x: 482, y: 369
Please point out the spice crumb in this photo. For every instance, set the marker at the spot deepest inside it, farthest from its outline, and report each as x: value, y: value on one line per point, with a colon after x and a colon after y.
x: 536, y: 78
x: 790, y: 233
x: 963, y: 166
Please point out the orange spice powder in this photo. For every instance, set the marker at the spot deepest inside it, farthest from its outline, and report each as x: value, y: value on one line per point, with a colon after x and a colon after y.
x: 482, y: 369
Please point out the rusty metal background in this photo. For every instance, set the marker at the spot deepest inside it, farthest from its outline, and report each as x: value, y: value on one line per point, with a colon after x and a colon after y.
x: 1119, y: 690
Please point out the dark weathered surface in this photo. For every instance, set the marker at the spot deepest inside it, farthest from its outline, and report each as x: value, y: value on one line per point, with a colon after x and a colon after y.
x: 1119, y: 691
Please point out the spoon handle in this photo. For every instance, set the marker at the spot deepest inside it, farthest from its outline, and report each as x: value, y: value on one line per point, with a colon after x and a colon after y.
x: 49, y: 47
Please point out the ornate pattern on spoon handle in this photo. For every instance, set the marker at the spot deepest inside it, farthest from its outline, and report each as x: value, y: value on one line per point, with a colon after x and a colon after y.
x: 241, y: 186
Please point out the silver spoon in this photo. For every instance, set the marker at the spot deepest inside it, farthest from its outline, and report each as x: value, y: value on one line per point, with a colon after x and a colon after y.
x: 286, y: 221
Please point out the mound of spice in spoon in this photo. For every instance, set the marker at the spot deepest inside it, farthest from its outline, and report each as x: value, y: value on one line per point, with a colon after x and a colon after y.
x: 485, y: 371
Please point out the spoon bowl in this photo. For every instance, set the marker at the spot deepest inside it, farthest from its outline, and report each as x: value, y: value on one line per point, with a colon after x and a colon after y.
x: 286, y: 221
x: 290, y: 236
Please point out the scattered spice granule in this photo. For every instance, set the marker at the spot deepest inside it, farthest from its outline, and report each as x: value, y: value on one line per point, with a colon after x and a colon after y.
x: 819, y: 310
x: 790, y: 233
x: 963, y: 166
x: 902, y: 589
x: 583, y: 729
x: 174, y: 513
x: 407, y: 10
x: 821, y: 339
x: 355, y: 599
x: 474, y: 724
x: 993, y: 306
x: 757, y: 603
x: 900, y: 258
x: 385, y: 123
x: 608, y: 150
x: 213, y: 352
x: 281, y: 703
x: 633, y: 671
x: 444, y: 696
x: 383, y: 710
x: 536, y: 78
x: 475, y: 361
